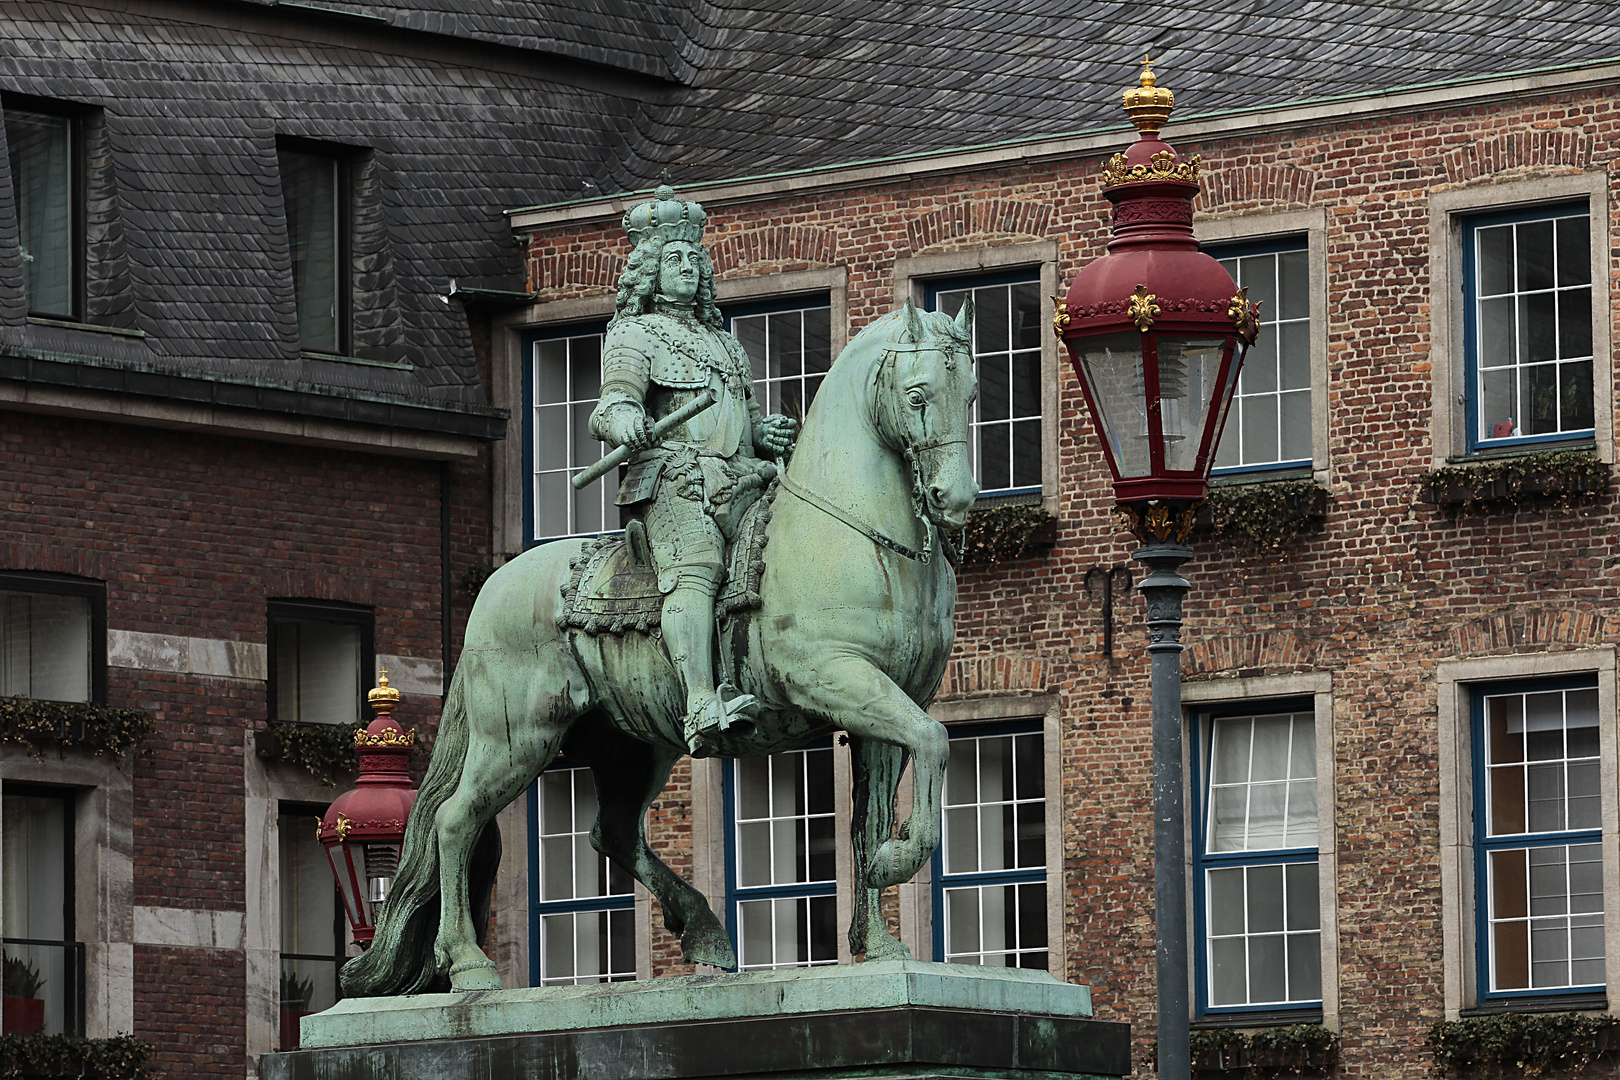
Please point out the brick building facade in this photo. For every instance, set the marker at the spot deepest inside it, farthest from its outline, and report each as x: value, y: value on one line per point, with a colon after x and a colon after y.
x: 1380, y: 627
x: 245, y: 455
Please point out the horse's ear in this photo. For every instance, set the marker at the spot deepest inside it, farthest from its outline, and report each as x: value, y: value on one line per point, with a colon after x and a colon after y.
x: 964, y: 318
x: 914, y: 326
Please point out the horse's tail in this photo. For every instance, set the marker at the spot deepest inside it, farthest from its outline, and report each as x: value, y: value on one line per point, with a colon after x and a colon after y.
x: 401, y: 959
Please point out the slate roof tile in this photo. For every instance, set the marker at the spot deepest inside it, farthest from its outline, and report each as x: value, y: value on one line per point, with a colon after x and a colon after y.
x: 192, y: 113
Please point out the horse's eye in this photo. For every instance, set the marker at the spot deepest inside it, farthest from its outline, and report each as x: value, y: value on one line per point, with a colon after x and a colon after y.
x: 915, y: 397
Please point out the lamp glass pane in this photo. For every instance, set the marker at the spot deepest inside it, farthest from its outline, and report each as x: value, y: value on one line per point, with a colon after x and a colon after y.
x: 1189, y: 373
x: 1112, y: 367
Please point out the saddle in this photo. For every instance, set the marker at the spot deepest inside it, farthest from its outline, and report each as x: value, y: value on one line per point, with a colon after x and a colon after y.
x: 614, y: 589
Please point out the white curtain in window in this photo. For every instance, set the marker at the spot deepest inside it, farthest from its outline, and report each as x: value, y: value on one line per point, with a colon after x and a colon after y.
x: 44, y: 646
x: 317, y: 671
x: 34, y: 850
x: 1263, y: 783
x: 308, y: 916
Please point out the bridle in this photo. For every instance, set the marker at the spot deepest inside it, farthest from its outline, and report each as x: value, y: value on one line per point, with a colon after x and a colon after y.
x: 885, y: 406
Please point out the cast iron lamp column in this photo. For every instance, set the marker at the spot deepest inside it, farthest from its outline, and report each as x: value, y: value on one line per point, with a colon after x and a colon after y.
x: 1157, y: 331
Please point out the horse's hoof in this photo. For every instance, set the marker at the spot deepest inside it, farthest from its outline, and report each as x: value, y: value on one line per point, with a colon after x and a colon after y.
x: 888, y: 948
x: 709, y: 946
x: 474, y: 975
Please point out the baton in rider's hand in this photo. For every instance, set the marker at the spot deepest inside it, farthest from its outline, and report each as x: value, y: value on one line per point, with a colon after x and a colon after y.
x: 620, y: 454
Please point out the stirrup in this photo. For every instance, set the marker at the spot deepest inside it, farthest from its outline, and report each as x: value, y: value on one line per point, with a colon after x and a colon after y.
x: 716, y: 717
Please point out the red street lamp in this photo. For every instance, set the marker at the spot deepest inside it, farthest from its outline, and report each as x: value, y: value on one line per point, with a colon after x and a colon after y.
x: 363, y: 828
x: 1157, y: 331
x: 1156, y: 328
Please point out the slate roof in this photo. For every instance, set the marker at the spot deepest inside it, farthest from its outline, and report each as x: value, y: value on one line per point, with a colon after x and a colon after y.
x: 638, y: 37
x: 792, y: 85
x: 192, y: 112
x: 471, y: 107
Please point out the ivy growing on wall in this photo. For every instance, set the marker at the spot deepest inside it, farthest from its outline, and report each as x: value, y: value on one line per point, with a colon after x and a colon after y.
x: 1265, y: 519
x: 1521, y: 1044
x: 59, y: 1057
x: 325, y: 750
x: 997, y: 533
x: 101, y: 729
x: 1294, y: 1050
x: 1548, y: 476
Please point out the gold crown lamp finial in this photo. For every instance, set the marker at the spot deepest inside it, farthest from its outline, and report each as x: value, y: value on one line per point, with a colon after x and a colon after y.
x: 1148, y: 104
x: 382, y: 697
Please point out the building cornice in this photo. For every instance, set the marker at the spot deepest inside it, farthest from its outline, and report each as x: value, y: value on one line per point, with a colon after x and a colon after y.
x: 149, y: 395
x: 1252, y: 122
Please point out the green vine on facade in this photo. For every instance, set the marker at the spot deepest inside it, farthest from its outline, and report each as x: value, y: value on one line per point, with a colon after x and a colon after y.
x: 1520, y: 1044
x: 325, y: 750
x: 1561, y: 476
x: 1006, y: 533
x: 1294, y: 1050
x: 1265, y: 519
x: 50, y: 1057
x: 99, y: 728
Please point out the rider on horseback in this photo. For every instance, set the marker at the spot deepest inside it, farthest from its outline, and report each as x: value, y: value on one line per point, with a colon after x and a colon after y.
x: 664, y: 347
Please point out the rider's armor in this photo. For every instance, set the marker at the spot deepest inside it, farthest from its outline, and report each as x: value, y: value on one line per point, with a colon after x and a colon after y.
x: 692, y: 487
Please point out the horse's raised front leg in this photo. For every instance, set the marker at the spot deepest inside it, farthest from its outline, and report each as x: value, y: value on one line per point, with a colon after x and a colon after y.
x: 629, y: 776
x: 875, y: 772
x: 861, y: 699
x: 509, y: 742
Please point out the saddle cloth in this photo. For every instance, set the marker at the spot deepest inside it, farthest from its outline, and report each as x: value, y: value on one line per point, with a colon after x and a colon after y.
x: 605, y: 594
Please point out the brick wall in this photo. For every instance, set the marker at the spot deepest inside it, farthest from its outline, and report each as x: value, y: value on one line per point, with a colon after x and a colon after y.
x: 1388, y: 586
x: 192, y: 535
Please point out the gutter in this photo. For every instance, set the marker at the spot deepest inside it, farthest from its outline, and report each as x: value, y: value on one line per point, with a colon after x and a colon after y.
x: 1251, y: 120
x: 304, y: 400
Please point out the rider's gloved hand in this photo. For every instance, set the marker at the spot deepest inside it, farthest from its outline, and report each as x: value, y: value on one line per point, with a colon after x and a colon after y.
x: 627, y: 427
x: 774, y: 434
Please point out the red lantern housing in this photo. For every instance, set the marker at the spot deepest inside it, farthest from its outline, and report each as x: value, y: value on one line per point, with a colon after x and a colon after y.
x: 1156, y: 329
x: 364, y: 828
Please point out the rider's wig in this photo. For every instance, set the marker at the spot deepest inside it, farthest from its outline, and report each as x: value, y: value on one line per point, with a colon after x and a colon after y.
x: 638, y: 284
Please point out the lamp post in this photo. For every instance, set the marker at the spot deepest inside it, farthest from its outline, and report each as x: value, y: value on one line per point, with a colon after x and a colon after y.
x: 1157, y: 331
x: 363, y: 829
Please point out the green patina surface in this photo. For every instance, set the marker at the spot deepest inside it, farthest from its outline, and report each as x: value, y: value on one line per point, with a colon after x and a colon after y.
x: 877, y: 985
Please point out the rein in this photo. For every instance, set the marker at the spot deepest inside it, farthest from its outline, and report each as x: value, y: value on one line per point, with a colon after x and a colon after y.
x: 918, y: 503
x: 924, y: 556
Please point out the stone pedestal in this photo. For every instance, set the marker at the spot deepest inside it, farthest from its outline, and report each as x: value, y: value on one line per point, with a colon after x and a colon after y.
x: 890, y: 1019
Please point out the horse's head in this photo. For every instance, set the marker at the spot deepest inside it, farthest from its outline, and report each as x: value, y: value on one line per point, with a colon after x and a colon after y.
x: 925, y: 389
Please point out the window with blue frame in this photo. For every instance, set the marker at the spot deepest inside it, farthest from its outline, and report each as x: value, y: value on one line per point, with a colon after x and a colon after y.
x: 781, y: 856
x: 582, y: 917
x: 990, y: 869
x: 1257, y: 912
x: 1527, y: 326
x: 1538, y: 837
x: 789, y: 346
x: 562, y: 383
x: 1269, y: 424
x: 1007, y: 328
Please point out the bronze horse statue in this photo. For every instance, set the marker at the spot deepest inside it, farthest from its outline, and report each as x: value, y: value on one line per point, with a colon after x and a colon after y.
x: 852, y: 633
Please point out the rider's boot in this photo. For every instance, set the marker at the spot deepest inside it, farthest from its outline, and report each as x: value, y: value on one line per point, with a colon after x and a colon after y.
x: 688, y: 628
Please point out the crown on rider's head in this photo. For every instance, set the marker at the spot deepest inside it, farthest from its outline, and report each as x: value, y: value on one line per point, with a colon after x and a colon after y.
x: 674, y: 219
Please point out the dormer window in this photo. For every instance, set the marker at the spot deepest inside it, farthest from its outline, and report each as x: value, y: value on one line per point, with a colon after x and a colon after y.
x: 315, y: 193
x: 44, y: 178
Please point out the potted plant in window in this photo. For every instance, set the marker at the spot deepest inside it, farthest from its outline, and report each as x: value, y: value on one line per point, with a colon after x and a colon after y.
x: 295, y: 996
x: 24, y: 1008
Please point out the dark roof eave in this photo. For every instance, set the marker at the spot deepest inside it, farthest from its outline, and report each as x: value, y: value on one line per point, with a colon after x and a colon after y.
x: 454, y: 418
x: 1030, y: 140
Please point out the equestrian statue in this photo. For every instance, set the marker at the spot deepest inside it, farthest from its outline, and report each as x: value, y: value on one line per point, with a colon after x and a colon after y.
x: 757, y: 599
